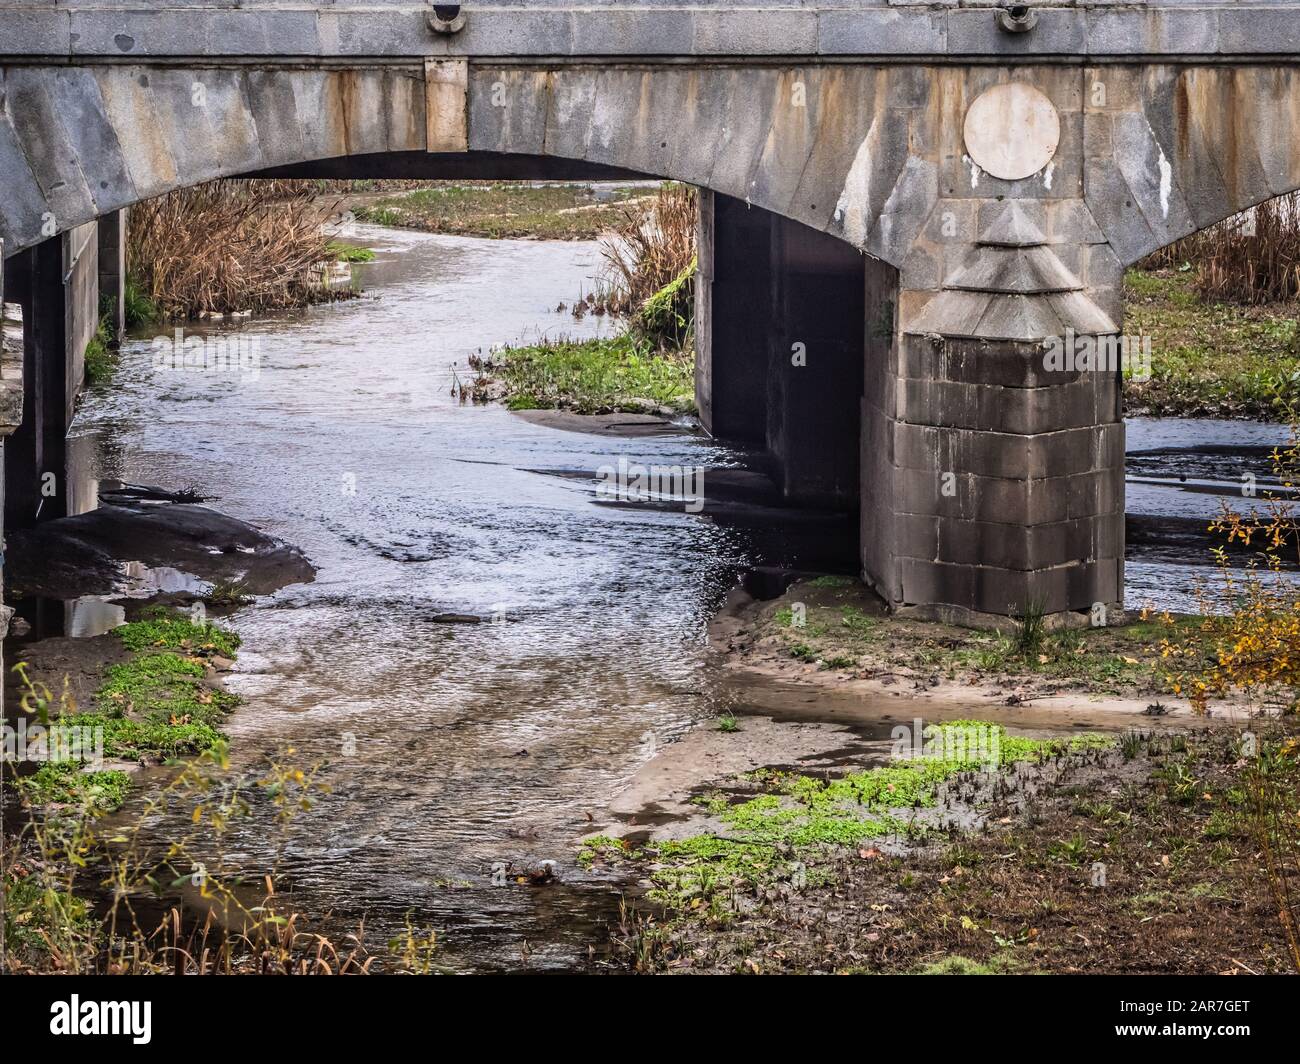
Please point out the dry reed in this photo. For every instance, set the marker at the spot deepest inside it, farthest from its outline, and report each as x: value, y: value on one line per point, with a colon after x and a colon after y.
x: 1251, y: 258
x: 230, y: 245
x: 653, y: 247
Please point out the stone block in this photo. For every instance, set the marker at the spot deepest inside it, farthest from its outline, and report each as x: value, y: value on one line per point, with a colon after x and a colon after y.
x: 446, y: 84
x: 976, y: 32
x: 867, y: 32
x: 776, y: 33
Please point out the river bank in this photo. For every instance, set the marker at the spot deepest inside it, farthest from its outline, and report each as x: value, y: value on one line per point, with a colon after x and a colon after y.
x: 514, y: 210
x: 1210, y: 359
x: 850, y: 816
x: 116, y: 674
x: 1134, y: 853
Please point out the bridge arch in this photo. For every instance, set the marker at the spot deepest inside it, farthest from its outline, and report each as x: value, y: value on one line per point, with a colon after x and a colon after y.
x: 872, y: 154
x: 1182, y: 148
x: 817, y: 145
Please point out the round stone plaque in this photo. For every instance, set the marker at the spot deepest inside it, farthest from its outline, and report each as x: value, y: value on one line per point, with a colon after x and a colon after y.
x: 1012, y: 131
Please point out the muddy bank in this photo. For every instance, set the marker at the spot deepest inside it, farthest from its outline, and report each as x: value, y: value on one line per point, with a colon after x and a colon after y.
x: 74, y: 667
x: 626, y: 426
x: 1107, y: 833
x: 89, y: 554
x: 1131, y: 858
x: 830, y: 636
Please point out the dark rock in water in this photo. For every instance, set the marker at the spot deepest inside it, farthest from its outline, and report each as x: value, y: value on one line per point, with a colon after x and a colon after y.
x: 456, y: 618
x: 626, y: 425
x: 116, y: 493
x: 83, y: 555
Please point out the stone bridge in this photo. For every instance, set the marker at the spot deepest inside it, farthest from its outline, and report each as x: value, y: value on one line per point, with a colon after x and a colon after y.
x: 908, y: 213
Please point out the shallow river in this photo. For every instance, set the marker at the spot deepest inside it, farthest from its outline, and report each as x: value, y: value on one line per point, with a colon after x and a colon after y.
x: 450, y: 747
x: 453, y: 747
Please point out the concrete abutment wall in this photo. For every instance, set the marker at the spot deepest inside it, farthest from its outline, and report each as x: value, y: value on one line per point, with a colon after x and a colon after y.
x: 56, y: 285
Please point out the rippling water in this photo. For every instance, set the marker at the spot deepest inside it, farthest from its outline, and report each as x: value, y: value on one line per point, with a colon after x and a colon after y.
x: 1186, y: 469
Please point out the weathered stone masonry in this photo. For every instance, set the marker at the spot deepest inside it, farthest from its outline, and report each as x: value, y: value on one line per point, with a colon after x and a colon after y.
x: 987, y: 480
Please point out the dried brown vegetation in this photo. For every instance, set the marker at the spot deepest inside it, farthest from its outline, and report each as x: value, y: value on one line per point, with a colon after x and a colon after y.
x: 1252, y: 257
x: 651, y: 248
x: 230, y: 246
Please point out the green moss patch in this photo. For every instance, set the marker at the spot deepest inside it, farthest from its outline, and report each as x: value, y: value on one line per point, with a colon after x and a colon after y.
x: 349, y: 252
x: 621, y: 374
x: 786, y: 830
x: 132, y: 740
x: 100, y: 361
x: 65, y: 783
x: 160, y: 630
x: 159, y: 705
x: 665, y: 318
x: 163, y: 689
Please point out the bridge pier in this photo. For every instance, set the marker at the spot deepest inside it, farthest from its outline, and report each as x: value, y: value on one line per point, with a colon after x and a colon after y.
x: 733, y: 306
x: 987, y: 466
x: 993, y: 442
x: 779, y: 342
x: 112, y: 272
x: 815, y: 373
x: 56, y: 283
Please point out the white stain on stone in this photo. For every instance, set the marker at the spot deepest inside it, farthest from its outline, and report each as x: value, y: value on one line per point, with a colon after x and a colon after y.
x: 974, y: 171
x: 569, y: 103
x: 853, y: 209
x: 1166, y: 181
x: 606, y: 122
x: 1047, y: 175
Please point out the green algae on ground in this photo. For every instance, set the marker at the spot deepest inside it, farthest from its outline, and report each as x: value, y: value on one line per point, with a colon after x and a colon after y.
x: 781, y: 833
x: 159, y: 703
x: 163, y: 689
x: 959, y: 965
x: 132, y: 739
x: 603, y: 846
x: 349, y: 252
x: 158, y: 629
x: 65, y: 783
